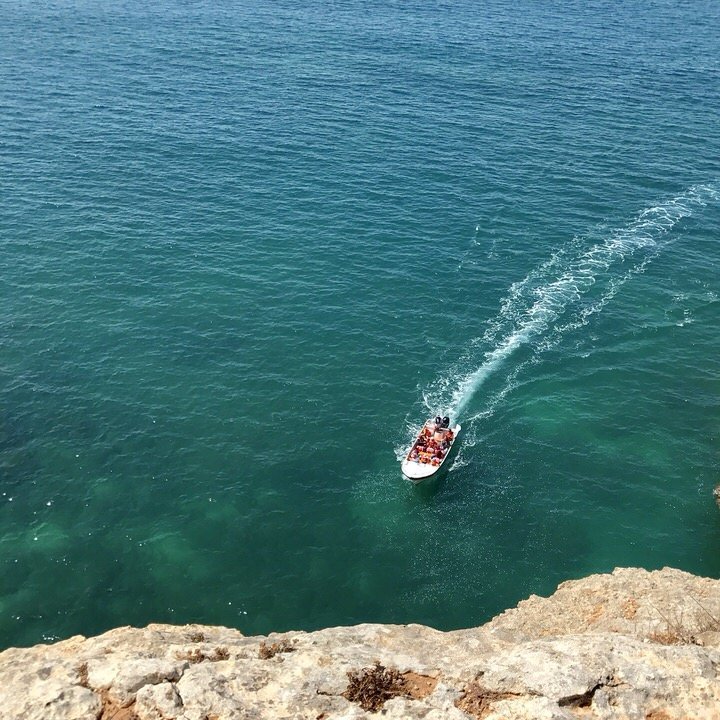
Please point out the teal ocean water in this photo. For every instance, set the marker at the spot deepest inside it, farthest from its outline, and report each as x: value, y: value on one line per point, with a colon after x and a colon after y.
x: 247, y: 248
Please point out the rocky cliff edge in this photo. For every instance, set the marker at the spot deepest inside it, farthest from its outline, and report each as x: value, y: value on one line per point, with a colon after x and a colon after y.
x: 631, y: 644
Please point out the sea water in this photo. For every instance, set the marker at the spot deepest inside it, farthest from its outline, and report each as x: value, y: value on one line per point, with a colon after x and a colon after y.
x: 246, y: 249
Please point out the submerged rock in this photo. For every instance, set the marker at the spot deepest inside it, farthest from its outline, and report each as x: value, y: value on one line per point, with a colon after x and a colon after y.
x: 632, y: 644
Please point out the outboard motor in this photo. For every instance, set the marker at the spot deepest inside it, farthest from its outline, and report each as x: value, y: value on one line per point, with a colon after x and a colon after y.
x: 438, y: 421
x: 446, y: 422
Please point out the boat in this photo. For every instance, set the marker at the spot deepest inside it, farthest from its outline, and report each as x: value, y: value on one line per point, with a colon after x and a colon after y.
x: 430, y: 450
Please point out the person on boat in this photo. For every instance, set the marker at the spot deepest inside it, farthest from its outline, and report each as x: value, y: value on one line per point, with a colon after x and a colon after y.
x: 439, y: 436
x: 414, y: 455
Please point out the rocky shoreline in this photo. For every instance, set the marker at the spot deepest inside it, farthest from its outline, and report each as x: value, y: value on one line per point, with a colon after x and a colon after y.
x: 630, y: 644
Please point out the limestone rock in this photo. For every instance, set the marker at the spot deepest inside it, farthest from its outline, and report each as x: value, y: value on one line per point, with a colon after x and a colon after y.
x: 631, y: 644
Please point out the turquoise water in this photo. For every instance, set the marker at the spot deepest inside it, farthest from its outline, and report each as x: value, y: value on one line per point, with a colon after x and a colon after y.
x: 247, y: 248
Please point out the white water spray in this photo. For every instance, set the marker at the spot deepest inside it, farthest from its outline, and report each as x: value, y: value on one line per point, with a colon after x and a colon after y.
x: 537, y: 302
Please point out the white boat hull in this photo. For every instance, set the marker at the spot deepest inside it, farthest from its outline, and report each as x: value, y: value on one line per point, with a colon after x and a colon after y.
x: 418, y: 471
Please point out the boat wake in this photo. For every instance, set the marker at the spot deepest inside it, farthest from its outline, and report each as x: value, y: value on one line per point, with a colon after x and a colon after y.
x: 557, y: 297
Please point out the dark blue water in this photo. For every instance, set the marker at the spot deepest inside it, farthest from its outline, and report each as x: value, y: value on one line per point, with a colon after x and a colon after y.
x: 246, y: 249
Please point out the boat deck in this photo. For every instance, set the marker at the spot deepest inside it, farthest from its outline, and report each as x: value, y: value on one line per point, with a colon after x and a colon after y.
x: 429, y: 451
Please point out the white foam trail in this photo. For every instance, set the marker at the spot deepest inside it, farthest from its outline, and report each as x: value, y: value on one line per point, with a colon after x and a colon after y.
x: 535, y: 303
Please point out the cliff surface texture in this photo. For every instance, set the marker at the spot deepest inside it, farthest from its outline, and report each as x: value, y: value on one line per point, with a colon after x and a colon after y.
x: 632, y: 644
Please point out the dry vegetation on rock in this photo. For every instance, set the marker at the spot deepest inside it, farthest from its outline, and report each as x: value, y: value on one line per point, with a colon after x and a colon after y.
x: 478, y: 701
x: 372, y: 686
x: 197, y: 655
x: 265, y: 651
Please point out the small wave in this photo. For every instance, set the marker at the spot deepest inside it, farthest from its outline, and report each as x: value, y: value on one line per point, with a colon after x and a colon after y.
x: 581, y: 277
